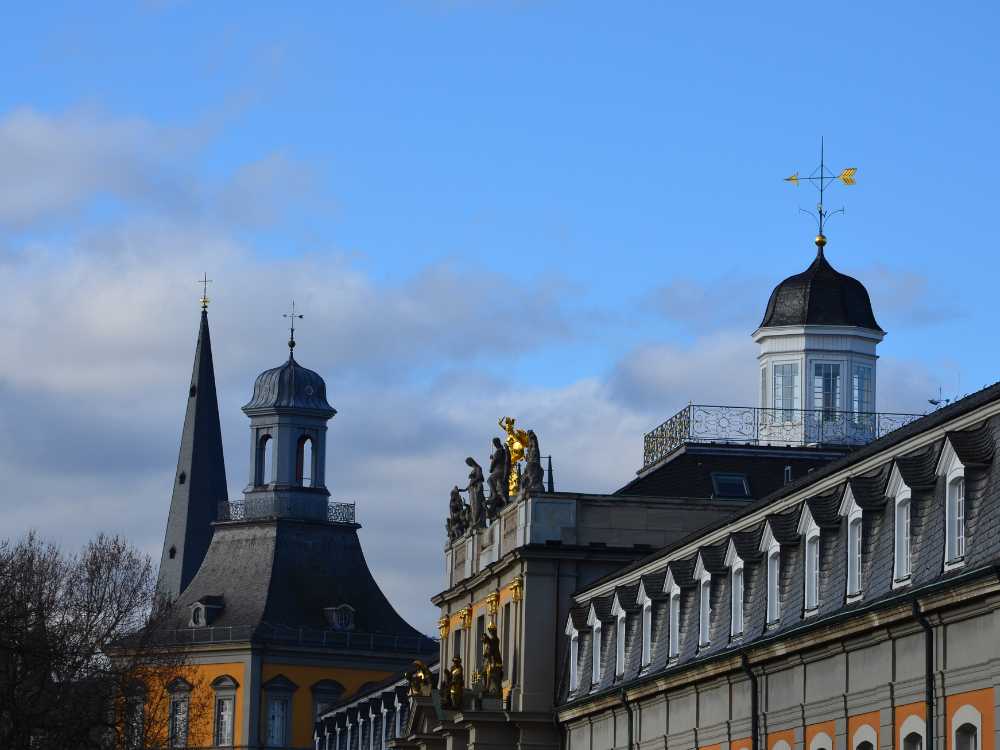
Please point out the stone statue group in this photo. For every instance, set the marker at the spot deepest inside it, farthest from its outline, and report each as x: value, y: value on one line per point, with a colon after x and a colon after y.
x: 451, y: 687
x: 506, y: 481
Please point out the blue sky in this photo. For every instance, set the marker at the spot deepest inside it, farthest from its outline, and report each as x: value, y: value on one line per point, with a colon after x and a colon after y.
x: 571, y: 211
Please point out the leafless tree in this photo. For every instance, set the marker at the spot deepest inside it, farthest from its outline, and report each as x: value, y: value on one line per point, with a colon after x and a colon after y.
x: 83, y: 663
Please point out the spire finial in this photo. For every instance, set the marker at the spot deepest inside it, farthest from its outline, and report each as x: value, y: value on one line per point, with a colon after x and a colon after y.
x: 292, y: 316
x: 820, y: 178
x: 204, y: 281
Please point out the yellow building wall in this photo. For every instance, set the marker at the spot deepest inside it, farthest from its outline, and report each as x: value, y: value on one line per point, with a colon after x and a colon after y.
x: 302, y: 700
x: 201, y: 721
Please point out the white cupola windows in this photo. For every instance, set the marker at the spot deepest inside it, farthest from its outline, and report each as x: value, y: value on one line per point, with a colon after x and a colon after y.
x: 952, y: 471
x: 736, y: 598
x: 646, y: 626
x: 851, y: 511
x: 704, y: 579
x: 900, y: 495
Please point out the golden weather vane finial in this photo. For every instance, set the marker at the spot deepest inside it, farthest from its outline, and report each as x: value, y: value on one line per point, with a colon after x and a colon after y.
x: 820, y: 178
x: 204, y: 281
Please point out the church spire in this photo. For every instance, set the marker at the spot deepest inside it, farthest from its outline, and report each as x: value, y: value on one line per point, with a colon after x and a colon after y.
x: 200, y: 480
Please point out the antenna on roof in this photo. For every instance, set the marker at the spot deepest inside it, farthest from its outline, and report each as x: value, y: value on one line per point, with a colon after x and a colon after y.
x: 940, y: 401
x: 820, y: 178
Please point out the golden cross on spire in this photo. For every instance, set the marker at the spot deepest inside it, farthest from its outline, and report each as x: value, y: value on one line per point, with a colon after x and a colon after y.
x: 292, y: 316
x: 820, y: 178
x: 204, y: 281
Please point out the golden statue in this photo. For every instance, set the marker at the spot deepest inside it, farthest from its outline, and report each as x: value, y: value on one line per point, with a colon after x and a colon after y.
x: 456, y: 686
x: 517, y: 442
x: 492, y: 662
x: 420, y: 679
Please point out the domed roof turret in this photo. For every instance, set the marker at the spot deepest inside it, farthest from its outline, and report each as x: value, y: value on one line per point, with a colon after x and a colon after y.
x: 820, y: 295
x: 290, y: 386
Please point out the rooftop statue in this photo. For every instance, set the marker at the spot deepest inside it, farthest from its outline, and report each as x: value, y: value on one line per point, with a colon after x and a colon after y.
x: 477, y: 499
x: 499, y: 471
x: 531, y: 479
x: 458, y: 515
x: 517, y: 441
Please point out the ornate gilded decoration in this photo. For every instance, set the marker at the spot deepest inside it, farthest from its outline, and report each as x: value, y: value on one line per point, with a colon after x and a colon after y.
x: 444, y: 626
x: 516, y: 586
x: 517, y: 442
x: 492, y: 663
x: 466, y: 615
x: 420, y: 678
x: 492, y: 604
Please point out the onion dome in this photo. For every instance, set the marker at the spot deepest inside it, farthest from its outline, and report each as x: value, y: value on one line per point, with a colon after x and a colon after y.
x: 820, y: 295
x: 290, y: 386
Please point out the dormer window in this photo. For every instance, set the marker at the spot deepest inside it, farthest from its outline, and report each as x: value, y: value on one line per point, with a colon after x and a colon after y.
x: 646, y: 628
x: 673, y: 591
x: 735, y: 565
x: 340, y: 617
x: 810, y: 531
x: 850, y: 509
x: 574, y: 654
x: 204, y: 611
x: 619, y: 614
x: 595, y: 648
x: 772, y: 551
x: 902, y: 553
x: 730, y: 485
x: 951, y: 468
x: 704, y: 579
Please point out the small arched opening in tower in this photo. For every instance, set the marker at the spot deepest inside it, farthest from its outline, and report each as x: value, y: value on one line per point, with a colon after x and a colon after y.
x: 304, y: 462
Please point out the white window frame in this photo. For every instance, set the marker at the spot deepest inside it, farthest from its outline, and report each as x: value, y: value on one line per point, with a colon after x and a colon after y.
x: 772, y: 574
x: 951, y: 468
x: 967, y: 714
x: 902, y: 546
x: 673, y: 592
x: 809, y: 530
x: 646, y: 626
x: 574, y: 654
x: 620, y: 623
x: 850, y: 510
x: 596, y: 627
x: 736, y: 591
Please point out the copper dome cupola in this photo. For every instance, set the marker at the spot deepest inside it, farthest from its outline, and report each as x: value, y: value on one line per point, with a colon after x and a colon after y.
x: 290, y: 386
x: 820, y: 295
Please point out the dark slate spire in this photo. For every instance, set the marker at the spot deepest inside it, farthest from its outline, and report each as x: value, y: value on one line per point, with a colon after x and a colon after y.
x: 200, y: 481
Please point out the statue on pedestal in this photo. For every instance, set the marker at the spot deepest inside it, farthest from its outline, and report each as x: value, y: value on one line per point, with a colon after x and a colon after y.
x: 444, y: 689
x: 532, y: 478
x: 477, y: 499
x: 420, y: 678
x: 458, y: 515
x: 456, y: 687
x: 492, y: 663
x: 499, y: 472
x: 517, y: 441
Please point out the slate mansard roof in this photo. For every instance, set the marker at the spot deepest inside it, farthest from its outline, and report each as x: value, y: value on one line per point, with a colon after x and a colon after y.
x: 971, y: 427
x: 820, y: 295
x: 290, y: 386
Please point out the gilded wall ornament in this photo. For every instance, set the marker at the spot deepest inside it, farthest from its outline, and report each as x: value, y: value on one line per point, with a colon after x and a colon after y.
x: 493, y: 604
x: 516, y: 588
x: 444, y: 626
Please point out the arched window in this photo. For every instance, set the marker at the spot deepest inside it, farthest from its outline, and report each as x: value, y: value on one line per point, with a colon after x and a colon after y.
x: 619, y: 639
x: 812, y: 571
x: 265, y: 460
x: 967, y: 738
x: 913, y: 741
x: 704, y: 610
x: 821, y: 741
x: 304, y: 463
x: 595, y: 661
x: 911, y: 733
x: 956, y: 520
x: 865, y: 738
x: 866, y: 745
x: 574, y: 656
x: 966, y: 728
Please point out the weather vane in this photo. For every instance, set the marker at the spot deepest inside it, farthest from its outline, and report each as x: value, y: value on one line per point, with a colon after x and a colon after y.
x: 204, y: 281
x: 820, y: 178
x: 292, y: 316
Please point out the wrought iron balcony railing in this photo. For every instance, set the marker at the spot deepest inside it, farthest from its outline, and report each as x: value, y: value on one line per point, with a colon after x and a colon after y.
x: 275, y: 507
x: 699, y: 423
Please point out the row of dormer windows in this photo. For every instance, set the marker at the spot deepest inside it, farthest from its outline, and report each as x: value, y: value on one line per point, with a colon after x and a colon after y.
x: 809, y: 535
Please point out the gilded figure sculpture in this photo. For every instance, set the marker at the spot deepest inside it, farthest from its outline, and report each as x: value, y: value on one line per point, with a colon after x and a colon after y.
x: 420, y: 678
x: 456, y: 687
x: 492, y: 662
x: 517, y: 441
x: 444, y: 689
